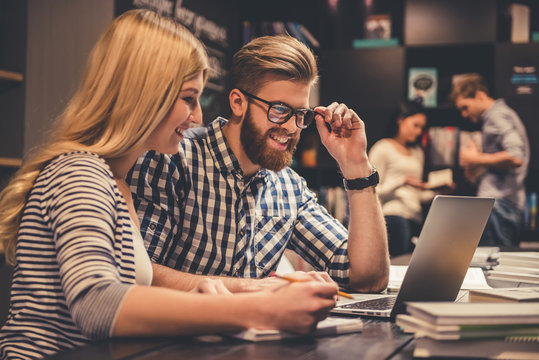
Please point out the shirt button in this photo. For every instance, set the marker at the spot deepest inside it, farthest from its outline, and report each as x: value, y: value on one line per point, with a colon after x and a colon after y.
x: 241, y: 233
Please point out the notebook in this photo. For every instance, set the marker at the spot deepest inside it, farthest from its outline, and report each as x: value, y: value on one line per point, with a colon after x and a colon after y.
x: 440, y: 260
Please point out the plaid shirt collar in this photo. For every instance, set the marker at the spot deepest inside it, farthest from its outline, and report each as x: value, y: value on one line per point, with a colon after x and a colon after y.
x: 222, y: 154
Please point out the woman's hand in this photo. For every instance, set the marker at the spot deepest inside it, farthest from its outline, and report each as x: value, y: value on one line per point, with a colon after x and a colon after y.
x: 296, y: 306
x: 412, y: 181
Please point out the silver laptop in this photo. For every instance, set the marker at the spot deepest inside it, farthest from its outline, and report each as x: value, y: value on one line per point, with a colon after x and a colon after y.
x: 440, y: 260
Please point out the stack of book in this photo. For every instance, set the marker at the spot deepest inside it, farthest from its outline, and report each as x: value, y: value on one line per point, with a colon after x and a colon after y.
x: 520, y: 294
x: 517, y: 266
x: 473, y: 330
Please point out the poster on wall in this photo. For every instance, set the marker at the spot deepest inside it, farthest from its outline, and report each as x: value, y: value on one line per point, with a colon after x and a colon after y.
x: 215, y: 38
x: 423, y: 86
x: 524, y: 80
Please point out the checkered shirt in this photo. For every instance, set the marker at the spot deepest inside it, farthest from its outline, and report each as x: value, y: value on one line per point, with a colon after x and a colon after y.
x: 199, y: 215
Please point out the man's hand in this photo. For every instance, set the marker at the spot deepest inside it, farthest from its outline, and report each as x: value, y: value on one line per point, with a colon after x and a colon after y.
x: 211, y: 286
x: 271, y: 282
x: 469, y: 155
x: 346, y: 141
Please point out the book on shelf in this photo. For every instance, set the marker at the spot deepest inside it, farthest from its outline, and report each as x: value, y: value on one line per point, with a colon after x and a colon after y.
x: 516, y: 347
x: 520, y: 23
x: 301, y: 33
x: 449, y: 313
x: 521, y: 294
x: 309, y: 36
x: 442, y: 146
x: 423, y: 85
x: 378, y: 26
x: 422, y: 328
x: 530, y: 211
x: 328, y: 326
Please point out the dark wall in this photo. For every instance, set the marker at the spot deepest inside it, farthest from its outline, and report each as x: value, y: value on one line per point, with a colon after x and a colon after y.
x: 13, y: 20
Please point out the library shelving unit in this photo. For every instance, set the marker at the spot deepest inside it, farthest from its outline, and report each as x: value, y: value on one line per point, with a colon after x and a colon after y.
x: 13, y: 21
x: 454, y: 37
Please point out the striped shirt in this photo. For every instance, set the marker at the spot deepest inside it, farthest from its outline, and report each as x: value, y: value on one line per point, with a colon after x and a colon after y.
x: 198, y: 214
x: 75, y: 259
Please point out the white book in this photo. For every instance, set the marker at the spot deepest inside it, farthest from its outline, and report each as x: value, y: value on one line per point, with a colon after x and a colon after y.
x: 474, y: 278
x: 439, y: 178
x: 528, y: 259
x: 328, y: 326
x: 522, y: 294
x: 513, y: 276
x: 450, y: 313
x: 516, y: 269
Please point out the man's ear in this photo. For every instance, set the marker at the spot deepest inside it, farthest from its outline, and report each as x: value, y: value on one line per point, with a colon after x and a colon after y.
x: 238, y: 103
x: 480, y: 95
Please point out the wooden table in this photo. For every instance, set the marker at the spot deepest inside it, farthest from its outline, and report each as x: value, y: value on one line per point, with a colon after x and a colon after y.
x: 380, y: 339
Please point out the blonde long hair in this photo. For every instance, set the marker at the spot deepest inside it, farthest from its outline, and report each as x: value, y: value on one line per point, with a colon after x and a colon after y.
x: 131, y: 81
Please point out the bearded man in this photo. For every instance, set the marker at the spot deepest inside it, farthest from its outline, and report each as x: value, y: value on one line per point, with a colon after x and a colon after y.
x: 228, y: 205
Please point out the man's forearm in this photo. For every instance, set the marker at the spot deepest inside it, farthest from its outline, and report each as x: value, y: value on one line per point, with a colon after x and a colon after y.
x: 367, y: 242
x: 499, y: 160
x: 174, y: 279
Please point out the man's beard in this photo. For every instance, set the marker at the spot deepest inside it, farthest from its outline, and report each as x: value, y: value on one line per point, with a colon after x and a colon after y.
x: 256, y: 147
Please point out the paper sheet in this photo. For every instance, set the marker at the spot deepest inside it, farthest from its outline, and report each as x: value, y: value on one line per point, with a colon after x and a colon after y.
x: 474, y: 279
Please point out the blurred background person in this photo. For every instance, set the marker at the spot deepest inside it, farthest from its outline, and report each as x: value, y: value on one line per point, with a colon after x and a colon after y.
x: 505, y: 155
x: 400, y: 161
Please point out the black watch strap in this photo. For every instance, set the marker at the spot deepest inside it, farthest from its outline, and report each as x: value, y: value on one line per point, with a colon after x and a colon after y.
x: 362, y: 183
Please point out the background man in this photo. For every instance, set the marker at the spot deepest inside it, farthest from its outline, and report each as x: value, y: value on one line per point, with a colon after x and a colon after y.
x: 505, y: 155
x: 228, y: 204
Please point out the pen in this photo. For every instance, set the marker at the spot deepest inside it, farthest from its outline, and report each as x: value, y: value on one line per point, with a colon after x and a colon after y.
x: 292, y: 279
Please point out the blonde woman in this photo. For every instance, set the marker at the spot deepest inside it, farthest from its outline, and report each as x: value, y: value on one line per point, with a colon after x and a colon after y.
x: 68, y: 223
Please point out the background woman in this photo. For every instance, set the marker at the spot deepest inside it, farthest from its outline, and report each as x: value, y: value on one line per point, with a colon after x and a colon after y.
x: 68, y: 223
x: 400, y: 162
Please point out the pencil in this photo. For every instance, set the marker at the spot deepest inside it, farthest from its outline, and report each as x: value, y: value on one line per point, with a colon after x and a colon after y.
x: 292, y: 279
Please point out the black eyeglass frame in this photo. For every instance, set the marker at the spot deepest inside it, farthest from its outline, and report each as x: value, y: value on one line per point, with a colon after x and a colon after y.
x: 293, y: 111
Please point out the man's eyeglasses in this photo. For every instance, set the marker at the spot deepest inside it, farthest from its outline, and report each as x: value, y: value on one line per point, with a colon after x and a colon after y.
x: 279, y: 112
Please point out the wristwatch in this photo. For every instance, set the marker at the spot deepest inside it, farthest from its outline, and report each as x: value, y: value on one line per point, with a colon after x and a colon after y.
x: 362, y: 183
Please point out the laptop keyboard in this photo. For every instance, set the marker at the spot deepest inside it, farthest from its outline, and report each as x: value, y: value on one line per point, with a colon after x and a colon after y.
x: 385, y: 303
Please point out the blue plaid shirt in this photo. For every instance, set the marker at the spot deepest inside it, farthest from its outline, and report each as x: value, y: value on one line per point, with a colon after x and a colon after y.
x: 199, y: 215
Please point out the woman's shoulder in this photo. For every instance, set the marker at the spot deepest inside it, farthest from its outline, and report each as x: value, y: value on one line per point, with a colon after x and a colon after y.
x: 79, y: 159
x: 382, y: 144
x: 77, y: 165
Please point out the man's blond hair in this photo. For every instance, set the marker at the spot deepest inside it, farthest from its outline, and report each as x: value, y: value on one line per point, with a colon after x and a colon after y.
x: 468, y: 85
x: 280, y: 55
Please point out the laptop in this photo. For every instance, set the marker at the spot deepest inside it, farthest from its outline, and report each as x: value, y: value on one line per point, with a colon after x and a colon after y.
x: 440, y: 260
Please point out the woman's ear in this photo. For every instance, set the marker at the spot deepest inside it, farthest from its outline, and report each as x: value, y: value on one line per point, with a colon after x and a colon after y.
x: 238, y: 103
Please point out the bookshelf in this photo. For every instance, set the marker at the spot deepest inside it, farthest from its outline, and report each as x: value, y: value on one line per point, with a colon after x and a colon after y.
x: 463, y: 37
x: 13, y: 21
